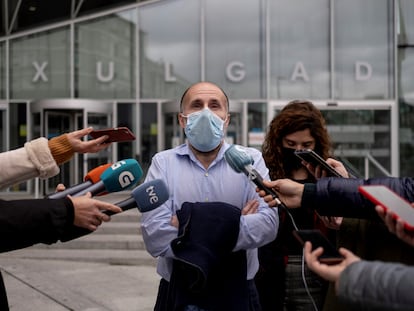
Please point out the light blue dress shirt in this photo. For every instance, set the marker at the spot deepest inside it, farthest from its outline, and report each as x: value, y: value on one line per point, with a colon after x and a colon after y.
x: 188, y: 181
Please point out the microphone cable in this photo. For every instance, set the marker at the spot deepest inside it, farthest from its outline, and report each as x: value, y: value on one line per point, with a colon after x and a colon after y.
x: 305, y: 283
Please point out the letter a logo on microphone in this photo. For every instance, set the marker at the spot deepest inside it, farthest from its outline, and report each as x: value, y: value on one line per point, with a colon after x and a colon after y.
x: 125, y: 179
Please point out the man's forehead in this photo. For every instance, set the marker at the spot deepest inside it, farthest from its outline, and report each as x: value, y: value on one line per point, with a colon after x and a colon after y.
x: 203, y: 90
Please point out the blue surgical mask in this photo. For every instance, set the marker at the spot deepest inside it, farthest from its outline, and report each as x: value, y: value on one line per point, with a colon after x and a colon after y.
x: 204, y: 130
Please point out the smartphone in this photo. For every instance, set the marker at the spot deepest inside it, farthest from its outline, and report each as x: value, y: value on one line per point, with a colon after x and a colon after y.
x: 315, y: 159
x: 384, y: 196
x: 330, y: 255
x: 117, y: 134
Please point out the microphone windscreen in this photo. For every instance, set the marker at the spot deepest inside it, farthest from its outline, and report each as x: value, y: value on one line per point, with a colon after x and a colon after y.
x: 95, y: 175
x: 121, y: 175
x: 237, y: 158
x: 150, y: 195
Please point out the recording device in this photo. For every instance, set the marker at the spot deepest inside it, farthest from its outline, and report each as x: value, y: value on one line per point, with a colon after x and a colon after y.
x: 146, y: 197
x: 330, y: 255
x: 118, y: 134
x: 384, y: 196
x: 315, y: 159
x: 119, y: 176
x: 241, y: 162
x: 92, y: 177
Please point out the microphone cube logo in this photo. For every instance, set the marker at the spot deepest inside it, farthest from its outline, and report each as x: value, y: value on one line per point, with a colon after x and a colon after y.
x: 126, y: 179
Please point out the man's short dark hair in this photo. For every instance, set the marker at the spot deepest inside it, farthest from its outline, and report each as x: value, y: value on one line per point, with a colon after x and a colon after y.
x: 185, y: 93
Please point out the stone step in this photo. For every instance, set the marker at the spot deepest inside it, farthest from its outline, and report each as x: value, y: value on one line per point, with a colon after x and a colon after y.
x: 114, y: 257
x: 100, y: 241
x: 119, y: 228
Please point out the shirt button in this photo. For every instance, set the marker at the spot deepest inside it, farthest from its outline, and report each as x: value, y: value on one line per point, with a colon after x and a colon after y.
x: 206, y: 174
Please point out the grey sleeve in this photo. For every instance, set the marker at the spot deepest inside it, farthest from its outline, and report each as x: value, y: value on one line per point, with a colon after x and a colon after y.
x: 377, y: 285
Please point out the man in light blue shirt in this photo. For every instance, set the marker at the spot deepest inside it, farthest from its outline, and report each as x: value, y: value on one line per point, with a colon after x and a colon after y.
x: 198, y: 172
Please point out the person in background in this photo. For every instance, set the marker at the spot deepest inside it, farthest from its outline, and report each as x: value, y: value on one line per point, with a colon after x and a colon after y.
x: 198, y: 176
x: 369, y: 285
x: 299, y: 125
x: 41, y: 157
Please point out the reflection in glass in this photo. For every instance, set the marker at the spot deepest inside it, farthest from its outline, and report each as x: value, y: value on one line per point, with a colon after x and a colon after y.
x: 105, y: 57
x: 354, y: 133
x: 364, y: 49
x: 2, y: 70
x: 233, y: 47
x: 169, y: 47
x: 39, y: 65
x: 299, y: 49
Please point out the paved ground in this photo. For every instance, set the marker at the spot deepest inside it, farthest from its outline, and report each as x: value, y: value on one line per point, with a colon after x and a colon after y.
x: 34, y: 284
x: 38, y: 280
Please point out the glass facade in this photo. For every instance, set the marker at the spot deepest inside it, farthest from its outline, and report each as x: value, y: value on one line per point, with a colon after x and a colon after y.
x: 364, y: 49
x: 299, y: 59
x: 105, y: 57
x: 344, y: 52
x: 39, y: 65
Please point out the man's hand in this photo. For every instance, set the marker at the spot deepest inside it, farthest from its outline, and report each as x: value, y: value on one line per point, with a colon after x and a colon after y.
x: 251, y: 207
x: 396, y: 226
x: 88, y: 146
x: 330, y: 273
x: 88, y: 211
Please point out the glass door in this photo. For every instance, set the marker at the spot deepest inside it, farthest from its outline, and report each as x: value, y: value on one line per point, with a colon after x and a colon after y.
x: 53, y: 117
x: 3, y: 127
x: 56, y: 123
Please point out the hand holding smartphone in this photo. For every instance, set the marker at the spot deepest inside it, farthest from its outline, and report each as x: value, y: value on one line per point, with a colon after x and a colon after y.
x: 118, y: 134
x: 330, y: 255
x: 315, y: 159
x: 384, y: 196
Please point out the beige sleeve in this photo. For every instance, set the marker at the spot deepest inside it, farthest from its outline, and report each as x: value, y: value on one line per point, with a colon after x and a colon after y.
x: 33, y: 160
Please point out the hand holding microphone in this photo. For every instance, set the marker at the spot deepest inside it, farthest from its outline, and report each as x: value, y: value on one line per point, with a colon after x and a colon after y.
x: 145, y: 197
x: 241, y: 162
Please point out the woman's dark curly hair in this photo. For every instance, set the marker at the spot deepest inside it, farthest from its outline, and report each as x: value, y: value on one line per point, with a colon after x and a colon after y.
x: 297, y: 115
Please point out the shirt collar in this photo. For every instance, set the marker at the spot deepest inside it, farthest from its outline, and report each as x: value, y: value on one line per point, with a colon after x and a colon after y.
x: 185, y: 150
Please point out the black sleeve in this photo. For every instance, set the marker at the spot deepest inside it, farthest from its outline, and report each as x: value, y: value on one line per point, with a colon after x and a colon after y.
x: 340, y: 196
x: 27, y: 222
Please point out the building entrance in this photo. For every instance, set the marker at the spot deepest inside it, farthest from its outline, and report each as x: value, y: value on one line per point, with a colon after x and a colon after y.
x: 53, y: 117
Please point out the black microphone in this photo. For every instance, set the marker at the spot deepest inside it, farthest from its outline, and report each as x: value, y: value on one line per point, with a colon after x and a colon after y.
x: 91, y: 178
x: 240, y: 161
x: 145, y: 197
x: 119, y: 176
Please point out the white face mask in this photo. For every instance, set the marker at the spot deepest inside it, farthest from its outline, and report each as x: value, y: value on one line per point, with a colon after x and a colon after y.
x: 204, y: 130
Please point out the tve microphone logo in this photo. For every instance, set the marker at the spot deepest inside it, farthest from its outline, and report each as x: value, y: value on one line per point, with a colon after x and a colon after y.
x: 153, y: 197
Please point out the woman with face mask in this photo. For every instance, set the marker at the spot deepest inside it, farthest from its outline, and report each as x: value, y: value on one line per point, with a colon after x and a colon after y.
x: 299, y: 125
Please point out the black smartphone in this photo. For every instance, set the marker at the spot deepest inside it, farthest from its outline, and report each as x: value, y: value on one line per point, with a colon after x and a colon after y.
x: 315, y: 159
x: 117, y: 134
x: 330, y: 254
x: 384, y: 196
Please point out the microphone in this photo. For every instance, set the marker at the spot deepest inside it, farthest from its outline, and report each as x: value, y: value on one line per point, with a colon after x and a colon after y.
x: 145, y: 197
x: 91, y: 178
x: 119, y: 176
x: 240, y: 161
